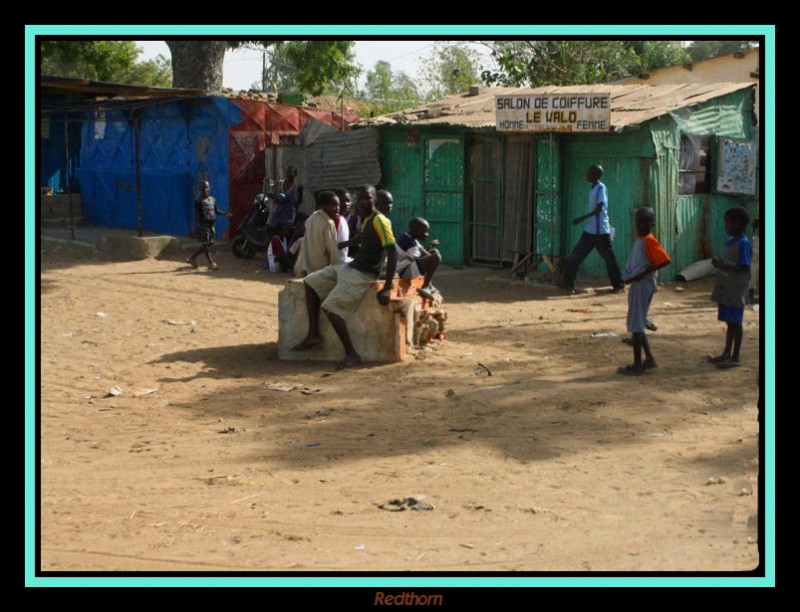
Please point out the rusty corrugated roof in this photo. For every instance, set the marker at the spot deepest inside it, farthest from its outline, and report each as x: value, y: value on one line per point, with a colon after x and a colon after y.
x: 50, y: 84
x: 630, y: 104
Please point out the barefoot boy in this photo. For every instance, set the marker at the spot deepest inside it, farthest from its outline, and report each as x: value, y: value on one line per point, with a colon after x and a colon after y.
x: 730, y: 287
x: 645, y: 258
x: 206, y: 212
x: 413, y: 259
x: 338, y: 289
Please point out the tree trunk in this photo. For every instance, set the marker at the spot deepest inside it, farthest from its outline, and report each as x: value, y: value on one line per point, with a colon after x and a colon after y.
x: 197, y: 64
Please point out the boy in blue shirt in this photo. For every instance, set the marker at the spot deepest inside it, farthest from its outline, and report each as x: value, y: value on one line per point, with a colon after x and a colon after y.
x: 730, y: 287
x: 596, y: 235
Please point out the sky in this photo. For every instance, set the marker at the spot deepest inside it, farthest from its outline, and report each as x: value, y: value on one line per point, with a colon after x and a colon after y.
x: 242, y: 68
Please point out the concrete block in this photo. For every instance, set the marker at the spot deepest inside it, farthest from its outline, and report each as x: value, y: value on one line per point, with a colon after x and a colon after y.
x: 135, y: 247
x: 379, y: 333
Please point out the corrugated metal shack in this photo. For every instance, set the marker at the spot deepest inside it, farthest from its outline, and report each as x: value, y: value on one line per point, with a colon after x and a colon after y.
x: 490, y: 195
x: 136, y: 154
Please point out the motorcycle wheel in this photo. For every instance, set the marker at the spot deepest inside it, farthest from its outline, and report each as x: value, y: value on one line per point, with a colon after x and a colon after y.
x: 242, y: 249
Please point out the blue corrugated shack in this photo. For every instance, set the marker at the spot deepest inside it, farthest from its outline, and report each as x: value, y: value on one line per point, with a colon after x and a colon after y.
x: 137, y: 154
x: 688, y: 151
x: 179, y: 143
x: 134, y: 153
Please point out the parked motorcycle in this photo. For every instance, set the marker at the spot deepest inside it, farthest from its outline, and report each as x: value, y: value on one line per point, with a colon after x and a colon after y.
x: 254, y: 234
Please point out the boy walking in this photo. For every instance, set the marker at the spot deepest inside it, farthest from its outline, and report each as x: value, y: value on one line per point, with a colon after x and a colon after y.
x: 206, y: 212
x: 596, y: 234
x: 646, y: 257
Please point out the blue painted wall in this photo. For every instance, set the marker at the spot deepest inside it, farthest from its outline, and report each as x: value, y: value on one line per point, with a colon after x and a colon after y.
x: 52, y: 155
x: 180, y: 143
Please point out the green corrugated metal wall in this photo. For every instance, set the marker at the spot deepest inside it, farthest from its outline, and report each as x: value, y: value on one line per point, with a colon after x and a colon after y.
x: 401, y: 168
x: 443, y: 156
x: 724, y: 116
x: 691, y: 227
x: 547, y: 197
x: 641, y: 169
x: 670, y: 210
x: 627, y: 161
x: 424, y: 170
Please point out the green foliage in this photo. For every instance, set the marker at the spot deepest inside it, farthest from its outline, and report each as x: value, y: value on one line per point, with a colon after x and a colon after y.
x: 103, y: 60
x: 322, y: 64
x: 154, y: 73
x: 535, y: 63
x: 653, y: 54
x: 450, y: 69
x: 390, y: 91
x: 307, y: 66
x: 706, y: 49
x: 281, y: 73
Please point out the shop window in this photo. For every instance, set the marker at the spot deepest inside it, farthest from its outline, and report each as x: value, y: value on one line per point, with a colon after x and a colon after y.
x: 694, y: 175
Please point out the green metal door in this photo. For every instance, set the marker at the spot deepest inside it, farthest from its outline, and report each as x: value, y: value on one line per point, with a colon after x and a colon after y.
x: 401, y: 169
x: 443, y: 158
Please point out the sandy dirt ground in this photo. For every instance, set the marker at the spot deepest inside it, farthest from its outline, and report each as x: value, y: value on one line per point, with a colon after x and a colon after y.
x: 554, y: 462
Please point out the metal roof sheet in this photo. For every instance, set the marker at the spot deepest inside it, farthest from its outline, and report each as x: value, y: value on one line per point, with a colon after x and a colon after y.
x: 630, y: 104
x: 95, y: 88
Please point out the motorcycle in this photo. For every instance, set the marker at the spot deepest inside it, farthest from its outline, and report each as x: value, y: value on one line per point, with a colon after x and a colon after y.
x: 254, y: 234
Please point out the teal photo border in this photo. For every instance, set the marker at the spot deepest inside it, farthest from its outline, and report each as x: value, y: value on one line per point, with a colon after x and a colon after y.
x: 441, y: 32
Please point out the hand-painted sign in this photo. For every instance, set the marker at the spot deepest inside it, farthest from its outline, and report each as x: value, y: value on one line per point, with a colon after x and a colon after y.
x: 586, y: 112
x: 738, y: 161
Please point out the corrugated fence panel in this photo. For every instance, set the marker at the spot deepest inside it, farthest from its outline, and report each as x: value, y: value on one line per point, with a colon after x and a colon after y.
x: 109, y: 197
x: 443, y: 156
x: 729, y: 115
x: 718, y: 204
x: 164, y: 161
x: 691, y: 228
x: 700, y: 222
x: 344, y: 159
x: 252, y: 115
x: 109, y: 200
x: 549, y: 211
x: 445, y: 213
x: 162, y: 140
x: 208, y: 152
x: 107, y: 142
x: 627, y: 160
x: 627, y: 180
x: 52, y: 158
x: 165, y: 205
x: 246, y: 172
x: 670, y: 211
x: 107, y: 170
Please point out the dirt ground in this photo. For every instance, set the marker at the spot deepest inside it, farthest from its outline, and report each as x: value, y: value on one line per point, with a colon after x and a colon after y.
x: 554, y: 462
